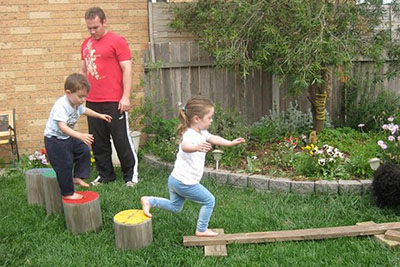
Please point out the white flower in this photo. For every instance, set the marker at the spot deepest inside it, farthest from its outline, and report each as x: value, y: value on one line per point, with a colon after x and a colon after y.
x: 253, y: 157
x: 321, y: 162
x: 390, y: 118
x: 391, y: 138
x: 380, y: 143
x: 361, y: 125
x: 385, y: 127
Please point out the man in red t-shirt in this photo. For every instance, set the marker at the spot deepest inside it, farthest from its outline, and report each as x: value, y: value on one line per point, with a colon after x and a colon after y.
x: 106, y: 62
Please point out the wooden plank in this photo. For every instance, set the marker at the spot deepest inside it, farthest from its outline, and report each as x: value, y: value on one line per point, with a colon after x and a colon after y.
x: 289, y: 235
x: 216, y: 250
x: 381, y: 238
x: 392, y: 235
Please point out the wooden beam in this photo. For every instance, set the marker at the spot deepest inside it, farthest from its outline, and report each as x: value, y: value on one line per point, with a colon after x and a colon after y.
x: 393, y: 235
x: 288, y: 235
x: 216, y: 250
x: 381, y: 238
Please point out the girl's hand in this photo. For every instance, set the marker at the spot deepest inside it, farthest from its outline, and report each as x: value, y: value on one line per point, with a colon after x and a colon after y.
x: 106, y: 117
x: 203, y: 147
x: 87, y: 138
x: 238, y: 141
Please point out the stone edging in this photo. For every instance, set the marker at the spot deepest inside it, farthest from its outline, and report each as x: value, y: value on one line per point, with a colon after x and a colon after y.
x: 265, y: 183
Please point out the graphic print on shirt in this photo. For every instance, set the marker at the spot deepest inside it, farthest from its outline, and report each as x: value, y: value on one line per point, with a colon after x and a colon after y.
x: 90, y: 60
x: 72, y: 119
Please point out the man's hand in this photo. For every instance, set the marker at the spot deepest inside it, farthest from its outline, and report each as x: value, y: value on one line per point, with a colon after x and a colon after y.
x: 124, y: 104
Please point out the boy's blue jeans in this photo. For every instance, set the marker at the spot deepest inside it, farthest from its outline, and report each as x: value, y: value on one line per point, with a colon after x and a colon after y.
x: 178, y: 192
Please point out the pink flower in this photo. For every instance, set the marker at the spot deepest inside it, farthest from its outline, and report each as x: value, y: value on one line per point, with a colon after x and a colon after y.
x: 390, y: 118
x: 391, y: 138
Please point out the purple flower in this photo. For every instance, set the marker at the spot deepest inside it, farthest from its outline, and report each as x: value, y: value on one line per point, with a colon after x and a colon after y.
x: 391, y: 138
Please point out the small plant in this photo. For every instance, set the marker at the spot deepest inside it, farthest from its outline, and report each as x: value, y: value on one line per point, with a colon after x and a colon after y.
x: 328, y: 162
x: 283, y: 154
x: 390, y: 147
x: 38, y: 159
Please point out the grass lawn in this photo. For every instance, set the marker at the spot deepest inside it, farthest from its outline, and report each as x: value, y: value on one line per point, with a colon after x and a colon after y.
x: 30, y: 238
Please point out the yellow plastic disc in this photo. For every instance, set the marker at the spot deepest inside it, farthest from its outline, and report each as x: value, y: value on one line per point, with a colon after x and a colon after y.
x: 130, y: 217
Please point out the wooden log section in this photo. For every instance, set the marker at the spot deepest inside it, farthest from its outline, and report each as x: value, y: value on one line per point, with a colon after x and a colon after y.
x: 381, y: 237
x: 83, y: 215
x: 34, y: 186
x: 52, y: 193
x: 216, y: 250
x: 393, y: 235
x: 132, y: 229
x: 288, y: 235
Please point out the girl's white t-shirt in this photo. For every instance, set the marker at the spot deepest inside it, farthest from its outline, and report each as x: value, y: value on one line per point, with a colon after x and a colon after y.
x: 189, y: 167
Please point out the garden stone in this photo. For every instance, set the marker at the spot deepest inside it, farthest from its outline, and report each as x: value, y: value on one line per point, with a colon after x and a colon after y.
x: 366, y: 186
x: 280, y: 184
x: 150, y: 159
x: 326, y: 187
x: 349, y: 186
x: 170, y: 166
x: 238, y: 179
x: 208, y: 173
x: 259, y: 182
x: 220, y: 176
x: 303, y: 187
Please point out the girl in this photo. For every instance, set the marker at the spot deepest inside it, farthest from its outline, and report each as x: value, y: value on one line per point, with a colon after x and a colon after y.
x: 184, y: 181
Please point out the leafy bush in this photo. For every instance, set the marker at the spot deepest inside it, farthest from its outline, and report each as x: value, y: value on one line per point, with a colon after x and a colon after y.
x: 229, y: 125
x: 367, y: 104
x: 277, y: 125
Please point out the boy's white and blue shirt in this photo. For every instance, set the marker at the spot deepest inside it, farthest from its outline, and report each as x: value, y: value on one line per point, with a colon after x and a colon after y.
x: 62, y: 111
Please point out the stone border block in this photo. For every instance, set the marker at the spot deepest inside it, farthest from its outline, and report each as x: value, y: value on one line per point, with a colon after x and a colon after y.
x: 349, y: 187
x: 259, y: 182
x: 366, y: 186
x: 326, y: 187
x: 280, y: 184
x: 303, y: 187
x: 220, y: 176
x: 238, y: 179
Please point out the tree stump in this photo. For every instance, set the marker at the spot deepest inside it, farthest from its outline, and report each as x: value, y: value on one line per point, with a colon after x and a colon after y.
x: 34, y: 186
x: 52, y: 192
x: 132, y: 229
x: 83, y: 215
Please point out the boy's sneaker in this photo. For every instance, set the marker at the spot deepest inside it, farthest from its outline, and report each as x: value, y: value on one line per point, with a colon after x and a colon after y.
x: 97, y: 181
x: 130, y: 184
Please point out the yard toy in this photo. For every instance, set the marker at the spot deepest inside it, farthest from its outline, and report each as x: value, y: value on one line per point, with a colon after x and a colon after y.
x: 132, y: 229
x: 361, y: 229
x: 34, y: 186
x: 386, y: 185
x: 52, y: 193
x: 83, y: 215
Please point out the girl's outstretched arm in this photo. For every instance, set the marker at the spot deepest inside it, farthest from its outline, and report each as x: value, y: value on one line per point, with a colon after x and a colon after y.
x: 218, y: 140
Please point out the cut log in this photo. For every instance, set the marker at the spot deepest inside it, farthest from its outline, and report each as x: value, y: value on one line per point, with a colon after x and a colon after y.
x: 34, y: 186
x: 52, y: 193
x: 132, y: 229
x: 216, y: 250
x: 83, y: 215
x: 393, y: 235
x: 288, y: 235
x: 381, y: 237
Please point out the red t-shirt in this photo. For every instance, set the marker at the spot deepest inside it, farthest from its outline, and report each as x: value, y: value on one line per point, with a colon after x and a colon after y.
x: 104, y: 72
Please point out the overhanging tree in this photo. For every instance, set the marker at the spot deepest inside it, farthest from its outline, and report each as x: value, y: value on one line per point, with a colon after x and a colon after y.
x: 301, y: 41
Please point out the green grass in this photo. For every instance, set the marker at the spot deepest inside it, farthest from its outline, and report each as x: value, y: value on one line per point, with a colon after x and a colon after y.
x: 30, y: 238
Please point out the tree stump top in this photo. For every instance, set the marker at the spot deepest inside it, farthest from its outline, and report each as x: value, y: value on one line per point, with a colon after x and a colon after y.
x: 50, y: 173
x: 131, y: 217
x: 88, y: 196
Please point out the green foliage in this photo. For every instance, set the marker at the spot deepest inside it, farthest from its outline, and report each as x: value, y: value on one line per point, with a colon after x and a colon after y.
x: 229, y: 125
x: 293, y: 39
x: 277, y: 125
x: 367, y: 104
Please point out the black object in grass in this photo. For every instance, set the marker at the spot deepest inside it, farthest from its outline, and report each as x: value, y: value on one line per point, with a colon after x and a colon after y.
x: 386, y: 185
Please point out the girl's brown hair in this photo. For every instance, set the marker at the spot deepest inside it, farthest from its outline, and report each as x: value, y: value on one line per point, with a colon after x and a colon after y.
x: 197, y: 106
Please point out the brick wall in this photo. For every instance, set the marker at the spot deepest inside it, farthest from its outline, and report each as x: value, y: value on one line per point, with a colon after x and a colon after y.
x: 40, y: 46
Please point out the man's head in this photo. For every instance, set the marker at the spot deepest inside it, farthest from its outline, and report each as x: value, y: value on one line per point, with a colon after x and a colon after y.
x: 96, y: 22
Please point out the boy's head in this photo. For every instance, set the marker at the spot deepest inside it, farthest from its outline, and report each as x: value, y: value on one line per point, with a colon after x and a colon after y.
x: 76, y: 82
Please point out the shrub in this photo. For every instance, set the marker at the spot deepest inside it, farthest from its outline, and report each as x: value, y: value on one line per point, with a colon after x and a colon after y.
x: 368, y: 104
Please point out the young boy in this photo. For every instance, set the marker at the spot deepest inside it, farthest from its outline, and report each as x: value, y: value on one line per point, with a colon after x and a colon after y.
x: 67, y: 149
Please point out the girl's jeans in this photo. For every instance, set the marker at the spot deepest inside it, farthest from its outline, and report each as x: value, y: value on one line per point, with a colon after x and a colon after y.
x: 178, y: 192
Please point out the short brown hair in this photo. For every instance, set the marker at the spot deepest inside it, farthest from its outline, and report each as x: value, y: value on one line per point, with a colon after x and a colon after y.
x: 94, y: 12
x: 76, y: 82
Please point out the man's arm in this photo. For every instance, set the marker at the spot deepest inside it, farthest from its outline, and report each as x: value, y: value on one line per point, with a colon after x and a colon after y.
x: 83, y: 67
x: 125, y: 103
